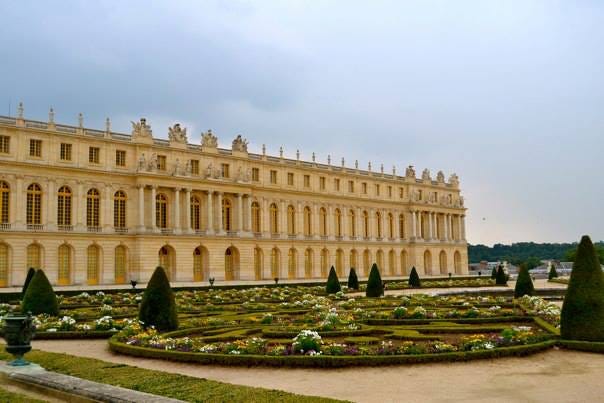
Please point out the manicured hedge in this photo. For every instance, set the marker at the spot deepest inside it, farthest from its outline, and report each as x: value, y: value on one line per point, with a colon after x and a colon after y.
x: 493, y: 319
x: 92, y: 334
x: 591, y: 346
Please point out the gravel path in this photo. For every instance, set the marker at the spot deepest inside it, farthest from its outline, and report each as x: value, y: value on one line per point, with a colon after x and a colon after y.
x: 552, y: 376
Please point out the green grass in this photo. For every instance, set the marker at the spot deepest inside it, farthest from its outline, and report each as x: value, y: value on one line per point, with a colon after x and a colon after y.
x: 7, y: 396
x: 156, y: 382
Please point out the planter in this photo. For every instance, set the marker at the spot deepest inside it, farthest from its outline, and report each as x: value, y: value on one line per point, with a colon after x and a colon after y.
x: 18, y: 332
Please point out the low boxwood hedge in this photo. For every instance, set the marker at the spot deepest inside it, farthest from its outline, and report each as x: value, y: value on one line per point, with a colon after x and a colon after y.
x: 590, y: 346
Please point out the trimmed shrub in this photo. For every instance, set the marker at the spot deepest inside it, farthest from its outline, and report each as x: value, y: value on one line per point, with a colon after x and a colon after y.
x: 353, y: 280
x: 158, y: 307
x: 40, y: 297
x: 375, y: 287
x: 501, y: 278
x: 494, y: 273
x: 524, y: 283
x: 552, y: 272
x: 30, y: 275
x: 414, y: 280
x: 582, y: 315
x: 333, y: 283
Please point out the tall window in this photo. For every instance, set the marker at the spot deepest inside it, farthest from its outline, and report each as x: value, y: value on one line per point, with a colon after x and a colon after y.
x: 35, y: 148
x: 308, y: 263
x: 377, y: 189
x: 194, y: 167
x: 292, y: 263
x: 64, y: 277
x: 4, y: 144
x: 340, y: 262
x: 322, y: 222
x: 274, y: 218
x: 64, y: 207
x: 322, y: 183
x: 195, y: 213
x: 119, y: 209
x: 365, y: 224
x: 401, y: 226
x: 161, y: 163
x: 273, y: 177
x: 352, y: 222
x: 227, y: 212
x: 120, y: 264
x: 161, y: 210
x: 120, y: 158
x: 390, y: 225
x: 324, y: 262
x: 306, y: 181
x: 354, y: 259
x: 197, y: 265
x: 336, y: 184
x: 34, y: 256
x: 4, y: 204
x: 351, y: 186
x: 290, y: 179
x: 378, y: 219
x: 257, y: 263
x: 3, y: 265
x: 291, y: 220
x: 275, y: 262
x: 224, y: 170
x: 92, y: 268
x: 165, y: 260
x: 338, y: 222
x: 256, y: 174
x: 307, y: 221
x: 92, y: 208
x: 65, y: 153
x: 255, y: 217
x: 94, y: 154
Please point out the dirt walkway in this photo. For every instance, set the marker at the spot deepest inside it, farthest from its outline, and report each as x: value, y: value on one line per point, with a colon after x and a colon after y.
x: 553, y: 376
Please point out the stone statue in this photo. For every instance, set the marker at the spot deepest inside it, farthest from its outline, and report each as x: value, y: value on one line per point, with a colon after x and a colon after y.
x: 188, y: 168
x: 177, y: 134
x: 410, y: 172
x: 177, y: 167
x: 141, y: 162
x: 152, y: 163
x: 240, y: 177
x: 440, y: 177
x: 248, y: 175
x: 426, y: 175
x: 239, y: 144
x: 209, y: 170
x: 454, y: 180
x: 208, y: 139
x: 141, y: 129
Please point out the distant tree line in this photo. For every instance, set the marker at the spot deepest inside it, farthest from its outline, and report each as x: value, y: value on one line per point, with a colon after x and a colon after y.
x: 530, y: 253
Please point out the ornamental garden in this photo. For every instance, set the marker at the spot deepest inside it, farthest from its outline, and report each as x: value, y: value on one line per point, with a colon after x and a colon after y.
x: 329, y: 325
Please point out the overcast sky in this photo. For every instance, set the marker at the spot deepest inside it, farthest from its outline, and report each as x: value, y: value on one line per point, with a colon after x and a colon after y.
x: 509, y: 95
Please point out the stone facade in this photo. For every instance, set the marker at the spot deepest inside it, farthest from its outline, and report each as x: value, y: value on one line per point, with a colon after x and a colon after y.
x: 99, y: 207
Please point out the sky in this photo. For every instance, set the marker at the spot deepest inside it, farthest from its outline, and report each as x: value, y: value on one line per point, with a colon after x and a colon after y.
x: 507, y: 94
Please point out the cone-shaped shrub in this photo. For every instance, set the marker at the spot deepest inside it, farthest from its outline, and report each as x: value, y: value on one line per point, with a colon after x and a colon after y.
x: 158, y: 307
x: 353, y: 280
x: 552, y: 272
x: 583, y: 308
x: 333, y: 283
x: 30, y: 275
x: 494, y: 273
x: 501, y: 278
x: 375, y: 287
x: 414, y: 280
x: 524, y: 283
x: 40, y: 297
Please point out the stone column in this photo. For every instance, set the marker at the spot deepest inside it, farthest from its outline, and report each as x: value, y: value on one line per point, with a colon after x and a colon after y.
x: 396, y: 226
x: 283, y: 218
x: 462, y: 227
x: 239, y: 212
x: 50, y: 206
x: 359, y: 227
x: 317, y: 221
x: 19, y: 201
x: 210, y: 224
x: 106, y: 215
x: 177, y: 210
x: 80, y: 207
x: 413, y: 226
x: 300, y: 222
x: 188, y: 211
x: 331, y: 228
x: 446, y: 226
x: 153, y: 208
x: 218, y: 209
x: 141, y: 208
x: 265, y: 224
x: 451, y: 227
x: 248, y: 209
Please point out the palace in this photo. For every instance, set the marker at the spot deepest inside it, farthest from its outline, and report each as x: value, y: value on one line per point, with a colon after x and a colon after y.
x: 99, y: 207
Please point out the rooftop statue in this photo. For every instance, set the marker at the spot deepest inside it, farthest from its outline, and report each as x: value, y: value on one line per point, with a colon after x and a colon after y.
x: 410, y: 172
x: 208, y: 139
x: 440, y: 177
x: 177, y: 134
x: 426, y: 175
x: 239, y: 144
x: 141, y: 129
x: 454, y: 180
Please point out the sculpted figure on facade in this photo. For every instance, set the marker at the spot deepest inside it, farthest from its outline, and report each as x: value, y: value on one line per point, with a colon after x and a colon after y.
x: 141, y: 162
x: 410, y: 172
x: 188, y: 168
x: 209, y: 170
x: 454, y: 180
x: 152, y: 163
x: 176, y: 167
x: 426, y: 175
x: 141, y: 129
x: 208, y: 139
x: 239, y: 144
x: 440, y: 177
x: 177, y: 134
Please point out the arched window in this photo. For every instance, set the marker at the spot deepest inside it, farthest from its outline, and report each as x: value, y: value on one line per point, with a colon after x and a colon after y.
x: 229, y: 264
x: 197, y: 265
x: 275, y: 262
x: 64, y: 207
x: 457, y: 262
x: 34, y: 256
x: 195, y: 214
x: 274, y: 218
x: 380, y: 260
x: 338, y: 222
x: 324, y: 262
x: 291, y: 220
x: 323, y: 221
x: 258, y: 266
x: 119, y: 209
x: 392, y: 263
x: 365, y: 224
x: 307, y: 221
x: 404, y: 263
x: 401, y: 227
x: 354, y: 263
x: 308, y: 263
x: 378, y: 224
x: 34, y: 204
x: 3, y: 265
x: 390, y: 225
x: 64, y: 277
x: 256, y: 217
x: 227, y: 215
x: 340, y: 262
x: 366, y: 261
x: 161, y: 210
x: 92, y: 266
x: 292, y: 263
x: 166, y: 260
x: 4, y: 202
x: 352, y: 223
x: 92, y: 209
x: 121, y: 264
x: 427, y: 262
x: 442, y: 262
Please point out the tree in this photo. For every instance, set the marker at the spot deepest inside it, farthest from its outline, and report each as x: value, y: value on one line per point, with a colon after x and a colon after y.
x: 30, y: 274
x: 501, y: 278
x: 158, y: 307
x: 375, y: 287
x: 571, y: 254
x: 333, y: 283
x: 40, y: 297
x: 582, y: 315
x: 552, y: 272
x: 353, y: 280
x: 494, y: 273
x: 414, y: 280
x: 532, y: 262
x: 524, y: 283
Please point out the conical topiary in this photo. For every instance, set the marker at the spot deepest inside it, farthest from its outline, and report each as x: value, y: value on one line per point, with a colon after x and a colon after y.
x: 30, y: 275
x: 552, y: 272
x: 333, y: 283
x: 414, y: 280
x: 501, y: 278
x: 375, y: 287
x: 353, y: 280
x: 583, y: 308
x: 158, y: 307
x: 494, y: 273
x: 40, y: 297
x: 524, y: 283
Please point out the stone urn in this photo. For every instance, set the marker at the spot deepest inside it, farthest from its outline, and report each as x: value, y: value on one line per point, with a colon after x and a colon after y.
x: 18, y: 332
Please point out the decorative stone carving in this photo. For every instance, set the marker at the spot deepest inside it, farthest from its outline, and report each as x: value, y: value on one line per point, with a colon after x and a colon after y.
x: 176, y: 167
x: 208, y: 139
x: 209, y: 170
x: 141, y: 162
x: 410, y: 172
x: 440, y: 177
x: 152, y: 166
x: 141, y: 130
x: 426, y: 175
x: 177, y: 134
x: 188, y: 168
x: 239, y: 144
x: 454, y: 180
